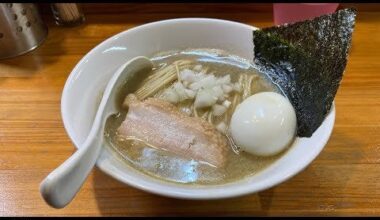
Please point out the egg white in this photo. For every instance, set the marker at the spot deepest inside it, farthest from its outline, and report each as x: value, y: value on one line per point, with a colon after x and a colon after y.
x: 264, y: 124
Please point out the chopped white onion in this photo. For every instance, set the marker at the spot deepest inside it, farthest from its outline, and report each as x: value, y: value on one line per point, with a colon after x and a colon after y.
x: 206, y: 89
x: 226, y: 103
x: 170, y: 95
x: 205, y: 98
x: 221, y: 98
x: 237, y: 87
x: 187, y: 75
x: 221, y: 127
x: 227, y: 88
x: 190, y: 93
x: 218, y: 110
x: 224, y: 80
x: 218, y: 91
x: 199, y: 76
x: 206, y: 82
x: 180, y: 90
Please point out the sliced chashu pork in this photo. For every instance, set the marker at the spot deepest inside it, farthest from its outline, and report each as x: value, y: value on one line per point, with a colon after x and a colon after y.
x: 163, y: 126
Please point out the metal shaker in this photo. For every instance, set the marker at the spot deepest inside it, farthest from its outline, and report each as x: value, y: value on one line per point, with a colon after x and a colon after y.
x: 21, y: 29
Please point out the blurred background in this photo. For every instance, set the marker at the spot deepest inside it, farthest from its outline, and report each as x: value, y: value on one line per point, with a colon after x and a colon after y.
x: 24, y: 27
x: 91, y: 8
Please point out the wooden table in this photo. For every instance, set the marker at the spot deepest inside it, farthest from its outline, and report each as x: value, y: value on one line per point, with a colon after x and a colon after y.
x: 343, y: 180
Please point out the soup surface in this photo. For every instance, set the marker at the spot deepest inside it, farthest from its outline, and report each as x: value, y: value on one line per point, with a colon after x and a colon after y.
x: 170, y: 167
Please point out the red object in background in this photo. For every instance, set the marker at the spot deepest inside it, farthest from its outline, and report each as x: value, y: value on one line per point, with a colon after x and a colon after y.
x: 293, y: 12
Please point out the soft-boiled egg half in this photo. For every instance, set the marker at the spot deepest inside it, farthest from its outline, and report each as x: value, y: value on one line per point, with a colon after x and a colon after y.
x: 264, y: 124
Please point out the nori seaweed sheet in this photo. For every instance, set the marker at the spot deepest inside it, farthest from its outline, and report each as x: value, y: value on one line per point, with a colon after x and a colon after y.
x: 307, y: 60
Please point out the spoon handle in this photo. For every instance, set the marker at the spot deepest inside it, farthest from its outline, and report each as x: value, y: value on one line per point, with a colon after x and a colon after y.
x: 61, y: 185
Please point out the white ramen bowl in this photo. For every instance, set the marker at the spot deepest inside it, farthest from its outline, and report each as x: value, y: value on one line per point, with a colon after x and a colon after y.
x: 84, y: 87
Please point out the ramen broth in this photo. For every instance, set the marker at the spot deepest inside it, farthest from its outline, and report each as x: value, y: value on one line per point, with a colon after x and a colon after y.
x: 170, y: 167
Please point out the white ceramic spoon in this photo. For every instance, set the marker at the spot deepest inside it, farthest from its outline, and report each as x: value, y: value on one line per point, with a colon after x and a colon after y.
x: 61, y: 185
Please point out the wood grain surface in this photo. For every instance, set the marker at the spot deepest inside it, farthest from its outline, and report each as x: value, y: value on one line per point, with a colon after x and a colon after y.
x: 344, y: 180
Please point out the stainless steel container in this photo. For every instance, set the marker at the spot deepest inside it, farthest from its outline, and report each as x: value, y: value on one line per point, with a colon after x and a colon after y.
x: 21, y: 29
